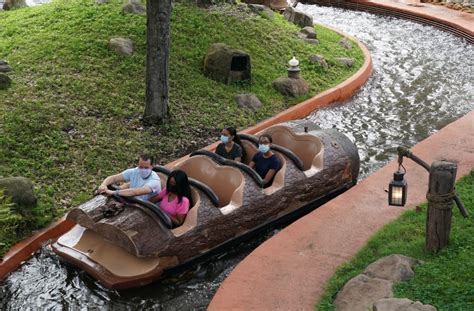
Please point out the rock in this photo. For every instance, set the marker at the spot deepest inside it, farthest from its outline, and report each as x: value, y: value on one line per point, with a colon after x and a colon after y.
x: 345, y: 43
x: 393, y: 268
x: 5, y: 67
x: 291, y: 87
x: 121, y: 46
x: 226, y: 64
x: 361, y: 292
x: 134, y: 7
x: 3, y: 62
x: 261, y: 10
x: 21, y: 191
x: 248, y: 101
x: 13, y: 4
x: 5, y: 82
x: 346, y: 61
x: 401, y: 304
x: 101, y: 1
x: 318, y: 59
x: 311, y: 41
x: 309, y: 32
x: 298, y: 17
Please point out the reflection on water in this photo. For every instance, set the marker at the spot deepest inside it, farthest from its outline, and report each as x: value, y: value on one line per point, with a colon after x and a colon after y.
x: 422, y: 80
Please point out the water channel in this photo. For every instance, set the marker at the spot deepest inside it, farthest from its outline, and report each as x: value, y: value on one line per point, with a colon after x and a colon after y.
x: 423, y: 79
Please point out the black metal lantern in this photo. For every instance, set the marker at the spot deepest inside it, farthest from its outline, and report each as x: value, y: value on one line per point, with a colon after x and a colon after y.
x: 397, y: 190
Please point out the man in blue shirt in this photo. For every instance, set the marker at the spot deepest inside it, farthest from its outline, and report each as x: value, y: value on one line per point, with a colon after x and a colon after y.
x: 141, y: 181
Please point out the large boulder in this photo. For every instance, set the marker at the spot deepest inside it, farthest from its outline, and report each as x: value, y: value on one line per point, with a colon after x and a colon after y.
x: 134, y: 7
x: 5, y: 81
x: 21, y: 191
x: 298, y: 17
x: 13, y: 4
x: 361, y: 292
x: 345, y: 61
x: 248, y: 101
x: 345, y: 43
x: 401, y: 304
x: 309, y: 32
x: 226, y: 64
x: 319, y: 59
x: 261, y: 10
x: 121, y: 46
x: 4, y: 67
x: 393, y: 268
x: 291, y: 87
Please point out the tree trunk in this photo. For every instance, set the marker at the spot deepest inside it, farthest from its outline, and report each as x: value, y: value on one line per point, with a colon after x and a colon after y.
x: 440, y: 203
x: 157, y: 59
x: 13, y: 4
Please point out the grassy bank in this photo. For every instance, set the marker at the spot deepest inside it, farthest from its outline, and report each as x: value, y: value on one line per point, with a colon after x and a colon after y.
x: 444, y: 280
x: 72, y: 114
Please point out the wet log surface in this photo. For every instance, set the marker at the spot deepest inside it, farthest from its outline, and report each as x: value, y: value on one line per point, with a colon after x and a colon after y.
x: 139, y: 233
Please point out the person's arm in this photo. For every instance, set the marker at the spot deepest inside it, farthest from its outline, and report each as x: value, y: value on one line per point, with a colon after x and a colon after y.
x: 108, y: 181
x: 269, y: 176
x: 238, y: 156
x: 181, y: 212
x: 158, y: 197
x: 252, y: 164
x: 131, y: 192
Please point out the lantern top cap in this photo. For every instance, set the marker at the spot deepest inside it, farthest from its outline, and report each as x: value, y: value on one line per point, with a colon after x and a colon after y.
x: 398, y: 176
x: 293, y: 62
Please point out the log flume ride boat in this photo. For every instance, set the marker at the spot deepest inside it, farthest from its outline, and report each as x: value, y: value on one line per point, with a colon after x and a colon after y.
x: 136, y: 246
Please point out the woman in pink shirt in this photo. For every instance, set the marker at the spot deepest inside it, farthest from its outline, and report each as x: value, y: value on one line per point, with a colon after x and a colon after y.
x: 175, y: 199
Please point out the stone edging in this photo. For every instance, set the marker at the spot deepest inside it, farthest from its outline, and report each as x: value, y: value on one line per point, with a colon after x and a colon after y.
x: 23, y: 250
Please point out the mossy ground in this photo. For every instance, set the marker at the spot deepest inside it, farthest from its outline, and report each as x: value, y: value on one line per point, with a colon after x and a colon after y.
x: 72, y: 115
x: 444, y: 280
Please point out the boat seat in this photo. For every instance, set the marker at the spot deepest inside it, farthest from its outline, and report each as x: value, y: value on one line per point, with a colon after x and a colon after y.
x: 227, y: 182
x: 307, y: 147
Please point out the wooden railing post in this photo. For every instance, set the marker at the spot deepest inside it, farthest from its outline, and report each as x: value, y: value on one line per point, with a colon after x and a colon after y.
x: 440, y: 202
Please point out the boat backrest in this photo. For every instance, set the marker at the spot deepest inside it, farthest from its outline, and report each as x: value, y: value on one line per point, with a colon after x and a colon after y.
x: 307, y: 147
x: 191, y: 217
x: 250, y: 150
x: 227, y: 182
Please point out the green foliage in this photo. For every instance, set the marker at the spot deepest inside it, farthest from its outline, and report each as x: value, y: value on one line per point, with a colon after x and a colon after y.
x: 72, y: 114
x: 8, y: 223
x: 443, y: 280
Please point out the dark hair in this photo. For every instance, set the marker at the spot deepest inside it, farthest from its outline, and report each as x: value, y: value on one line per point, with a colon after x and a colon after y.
x: 236, y: 139
x: 146, y: 157
x: 183, y: 188
x: 266, y: 136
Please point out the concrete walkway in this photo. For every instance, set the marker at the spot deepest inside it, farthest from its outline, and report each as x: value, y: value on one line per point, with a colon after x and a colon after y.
x: 289, y: 271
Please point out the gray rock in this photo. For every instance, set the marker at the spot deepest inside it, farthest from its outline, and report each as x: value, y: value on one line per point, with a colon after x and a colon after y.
x: 393, y: 268
x: 5, y: 81
x: 248, y: 101
x: 345, y: 43
x: 21, y: 191
x: 134, y: 7
x: 298, y: 17
x: 361, y: 292
x: 13, y: 4
x: 309, y: 32
x: 101, y: 1
x: 3, y: 62
x: 5, y: 68
x: 346, y: 61
x: 318, y: 59
x: 291, y: 87
x: 226, y: 64
x: 121, y: 46
x: 312, y: 41
x: 261, y: 10
x: 401, y: 304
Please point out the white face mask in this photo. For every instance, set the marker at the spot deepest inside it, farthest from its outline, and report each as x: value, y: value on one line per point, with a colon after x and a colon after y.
x: 263, y: 148
x: 144, y: 172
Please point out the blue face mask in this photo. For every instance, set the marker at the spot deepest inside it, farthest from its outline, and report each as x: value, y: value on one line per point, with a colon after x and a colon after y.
x: 224, y: 139
x: 263, y: 148
x: 144, y: 172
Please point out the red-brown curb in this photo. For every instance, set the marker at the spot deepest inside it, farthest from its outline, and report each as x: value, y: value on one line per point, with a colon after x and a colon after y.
x: 25, y: 249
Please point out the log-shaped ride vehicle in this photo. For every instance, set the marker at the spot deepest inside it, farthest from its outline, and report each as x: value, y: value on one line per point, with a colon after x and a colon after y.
x: 136, y: 245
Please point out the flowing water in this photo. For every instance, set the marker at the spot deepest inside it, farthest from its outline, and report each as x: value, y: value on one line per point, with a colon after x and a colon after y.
x: 423, y: 79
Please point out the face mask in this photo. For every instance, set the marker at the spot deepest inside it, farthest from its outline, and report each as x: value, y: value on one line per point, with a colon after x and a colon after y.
x: 173, y: 188
x: 263, y: 148
x: 224, y: 139
x: 144, y: 172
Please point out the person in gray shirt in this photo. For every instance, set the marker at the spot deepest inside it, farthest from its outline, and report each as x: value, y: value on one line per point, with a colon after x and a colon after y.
x: 230, y: 146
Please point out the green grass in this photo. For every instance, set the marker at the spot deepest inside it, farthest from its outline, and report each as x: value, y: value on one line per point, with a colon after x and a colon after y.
x: 72, y: 114
x: 444, y: 280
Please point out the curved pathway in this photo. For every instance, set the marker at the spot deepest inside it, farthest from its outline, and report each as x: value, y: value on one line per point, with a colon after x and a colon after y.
x: 288, y: 272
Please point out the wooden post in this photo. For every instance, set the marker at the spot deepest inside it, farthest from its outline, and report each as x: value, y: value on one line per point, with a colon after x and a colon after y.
x: 440, y: 202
